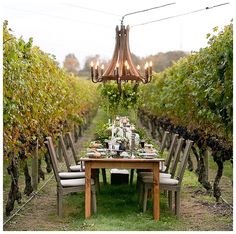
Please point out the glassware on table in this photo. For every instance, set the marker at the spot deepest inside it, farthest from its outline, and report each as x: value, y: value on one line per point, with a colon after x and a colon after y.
x: 107, y: 144
x: 142, y: 142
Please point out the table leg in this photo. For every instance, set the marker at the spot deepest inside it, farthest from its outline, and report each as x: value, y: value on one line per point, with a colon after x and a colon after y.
x: 156, y: 192
x: 87, y: 190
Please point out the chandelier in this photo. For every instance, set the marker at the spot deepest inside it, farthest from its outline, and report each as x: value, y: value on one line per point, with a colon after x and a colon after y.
x: 121, y: 68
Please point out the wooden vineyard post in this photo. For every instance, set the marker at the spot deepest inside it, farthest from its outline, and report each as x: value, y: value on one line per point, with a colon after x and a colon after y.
x: 59, y: 150
x: 206, y: 163
x: 35, y: 166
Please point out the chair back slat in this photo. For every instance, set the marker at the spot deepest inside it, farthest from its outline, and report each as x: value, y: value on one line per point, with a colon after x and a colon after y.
x: 176, y: 157
x: 63, y: 147
x: 182, y: 167
x: 163, y: 142
x: 171, y: 151
x: 53, y: 157
x: 72, y: 146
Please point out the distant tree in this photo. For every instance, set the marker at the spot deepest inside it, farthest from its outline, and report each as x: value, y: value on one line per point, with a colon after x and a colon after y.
x: 96, y: 58
x: 163, y: 60
x: 71, y: 64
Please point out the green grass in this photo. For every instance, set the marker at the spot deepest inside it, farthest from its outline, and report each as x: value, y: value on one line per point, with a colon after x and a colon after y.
x: 118, y: 211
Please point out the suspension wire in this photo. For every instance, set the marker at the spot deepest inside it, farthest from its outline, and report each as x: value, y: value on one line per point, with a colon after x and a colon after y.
x: 92, y: 9
x: 59, y: 17
x: 33, y: 195
x: 183, y: 14
x: 149, y: 9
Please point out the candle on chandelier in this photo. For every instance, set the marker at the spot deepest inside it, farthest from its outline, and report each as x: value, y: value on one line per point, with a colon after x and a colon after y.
x: 117, y: 69
x: 125, y: 67
x: 128, y: 71
x: 96, y: 69
x: 91, y: 64
x: 150, y: 68
x: 146, y: 70
x: 102, y: 69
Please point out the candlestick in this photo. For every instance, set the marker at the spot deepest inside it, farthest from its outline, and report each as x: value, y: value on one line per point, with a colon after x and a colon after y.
x: 128, y: 71
x: 150, y: 68
x: 92, y: 74
x: 117, y: 69
x: 96, y: 70
x: 146, y: 70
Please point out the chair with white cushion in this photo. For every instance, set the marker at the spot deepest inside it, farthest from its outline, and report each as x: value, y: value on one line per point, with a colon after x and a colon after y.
x: 165, y: 167
x: 169, y: 184
x: 164, y: 174
x: 76, y: 167
x: 79, y: 167
x: 164, y: 140
x: 68, y: 182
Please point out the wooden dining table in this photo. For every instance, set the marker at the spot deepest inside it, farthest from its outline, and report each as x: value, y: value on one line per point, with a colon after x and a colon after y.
x: 126, y: 163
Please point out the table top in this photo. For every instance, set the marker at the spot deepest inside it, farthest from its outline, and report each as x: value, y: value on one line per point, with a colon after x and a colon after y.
x: 123, y: 159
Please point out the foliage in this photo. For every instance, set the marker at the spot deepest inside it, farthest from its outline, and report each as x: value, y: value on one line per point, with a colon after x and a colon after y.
x: 116, y: 103
x: 39, y: 98
x: 102, y: 132
x: 197, y: 91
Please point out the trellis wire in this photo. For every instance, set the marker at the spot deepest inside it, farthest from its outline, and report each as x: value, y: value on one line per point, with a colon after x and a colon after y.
x: 34, y: 194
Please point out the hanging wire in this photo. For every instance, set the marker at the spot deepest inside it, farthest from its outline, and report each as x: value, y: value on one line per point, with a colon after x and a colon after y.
x: 183, y: 14
x: 59, y: 17
x: 141, y: 11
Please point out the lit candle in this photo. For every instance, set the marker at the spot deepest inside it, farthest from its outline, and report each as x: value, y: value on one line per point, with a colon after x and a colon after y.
x: 138, y: 67
x: 128, y: 69
x: 125, y: 67
x: 150, y: 68
x: 117, y: 69
x: 91, y: 64
x: 102, y: 69
x: 96, y: 69
x: 146, y: 70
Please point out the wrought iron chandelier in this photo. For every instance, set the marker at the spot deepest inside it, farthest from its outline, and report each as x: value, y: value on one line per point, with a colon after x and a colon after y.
x: 121, y: 67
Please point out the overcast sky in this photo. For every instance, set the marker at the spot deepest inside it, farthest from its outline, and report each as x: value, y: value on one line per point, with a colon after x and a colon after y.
x: 60, y: 27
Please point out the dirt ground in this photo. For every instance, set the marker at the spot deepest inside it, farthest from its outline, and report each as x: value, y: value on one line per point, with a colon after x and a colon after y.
x: 197, y: 212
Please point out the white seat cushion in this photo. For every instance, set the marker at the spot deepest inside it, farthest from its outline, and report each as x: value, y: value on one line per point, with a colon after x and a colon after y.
x: 168, y: 181
x: 119, y: 171
x: 75, y: 182
x: 71, y: 175
x: 150, y: 174
x: 165, y: 175
x: 75, y: 168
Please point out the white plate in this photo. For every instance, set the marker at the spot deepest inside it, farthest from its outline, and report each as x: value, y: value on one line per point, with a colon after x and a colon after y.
x: 101, y: 150
x: 148, y: 154
x: 124, y: 154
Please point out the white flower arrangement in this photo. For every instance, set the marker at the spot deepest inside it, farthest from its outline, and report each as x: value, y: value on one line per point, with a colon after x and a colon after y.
x: 122, y: 140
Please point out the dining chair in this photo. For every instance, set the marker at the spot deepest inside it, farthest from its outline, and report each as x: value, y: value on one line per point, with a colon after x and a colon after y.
x: 164, y: 174
x: 164, y: 167
x: 77, y: 167
x: 164, y: 140
x: 67, y: 184
x: 69, y: 166
x: 161, y: 149
x: 169, y: 184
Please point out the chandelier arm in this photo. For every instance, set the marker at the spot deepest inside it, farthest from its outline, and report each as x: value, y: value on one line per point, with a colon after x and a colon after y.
x: 122, y: 58
x: 129, y: 57
x: 112, y: 66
